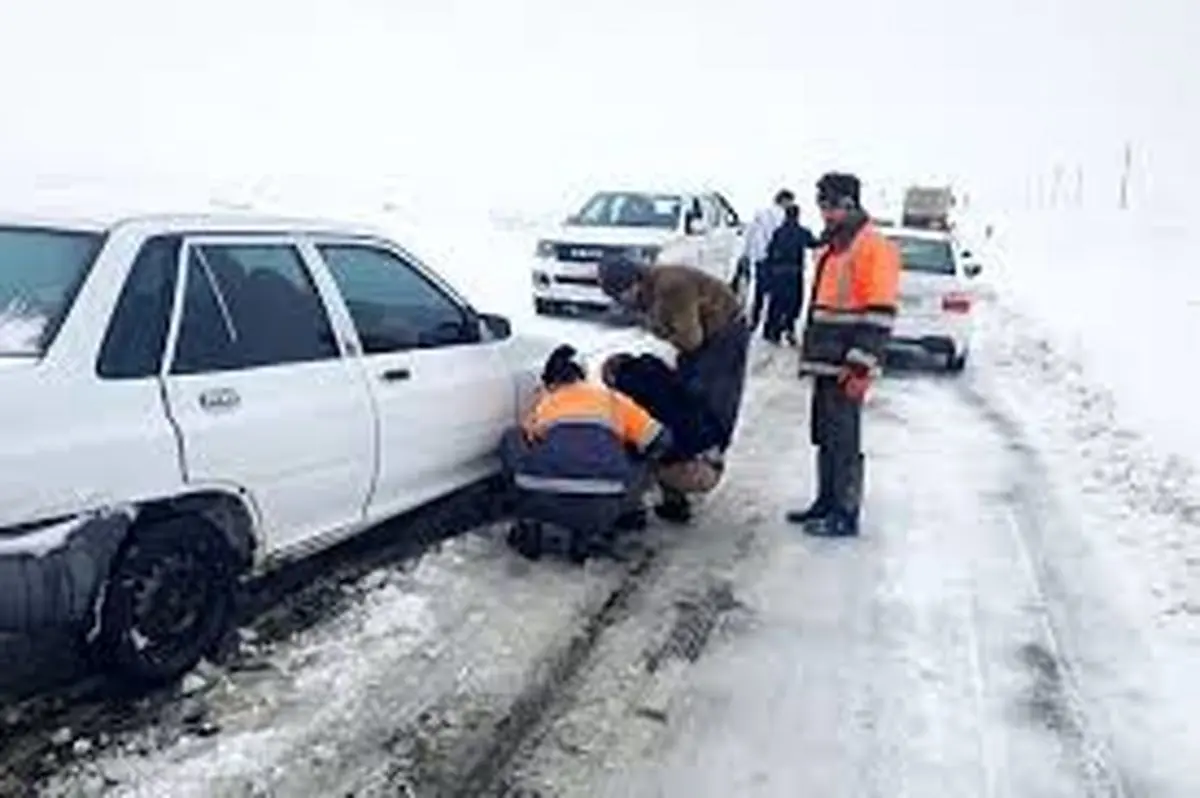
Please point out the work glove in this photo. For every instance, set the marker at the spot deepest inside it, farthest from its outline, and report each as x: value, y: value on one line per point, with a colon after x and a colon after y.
x: 855, y: 382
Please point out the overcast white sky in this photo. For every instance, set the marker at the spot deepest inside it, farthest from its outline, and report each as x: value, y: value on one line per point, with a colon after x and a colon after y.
x: 517, y: 100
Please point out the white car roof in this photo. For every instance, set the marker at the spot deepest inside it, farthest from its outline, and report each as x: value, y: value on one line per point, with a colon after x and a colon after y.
x: 688, y: 191
x: 192, y: 223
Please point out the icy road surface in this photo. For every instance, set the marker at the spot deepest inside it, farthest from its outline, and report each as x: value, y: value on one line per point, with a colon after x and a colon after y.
x: 1012, y: 623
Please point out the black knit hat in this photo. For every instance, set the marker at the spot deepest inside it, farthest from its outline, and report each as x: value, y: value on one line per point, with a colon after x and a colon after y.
x: 839, y: 190
x: 617, y: 274
x: 561, y: 367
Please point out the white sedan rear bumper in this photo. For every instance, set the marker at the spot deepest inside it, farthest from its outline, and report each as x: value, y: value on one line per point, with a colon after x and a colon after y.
x: 942, y: 332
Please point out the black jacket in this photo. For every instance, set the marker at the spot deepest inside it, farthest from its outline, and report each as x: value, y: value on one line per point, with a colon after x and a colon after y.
x: 788, y: 244
x: 658, y: 388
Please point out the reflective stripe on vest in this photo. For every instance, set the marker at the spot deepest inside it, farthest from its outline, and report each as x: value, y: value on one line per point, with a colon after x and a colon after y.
x: 876, y: 317
x: 570, y: 485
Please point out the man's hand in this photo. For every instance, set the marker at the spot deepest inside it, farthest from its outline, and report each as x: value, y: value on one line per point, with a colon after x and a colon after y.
x: 855, y: 381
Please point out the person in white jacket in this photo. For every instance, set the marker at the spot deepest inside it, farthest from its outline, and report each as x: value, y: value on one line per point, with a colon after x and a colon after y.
x: 754, y: 250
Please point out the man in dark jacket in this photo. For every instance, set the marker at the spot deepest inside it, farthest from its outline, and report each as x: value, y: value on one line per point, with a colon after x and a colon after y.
x: 702, y: 318
x: 785, y: 273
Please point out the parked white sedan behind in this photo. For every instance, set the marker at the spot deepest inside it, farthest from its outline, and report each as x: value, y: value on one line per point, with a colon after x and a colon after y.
x: 936, y: 296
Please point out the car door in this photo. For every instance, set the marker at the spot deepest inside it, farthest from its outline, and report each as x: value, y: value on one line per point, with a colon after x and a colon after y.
x: 443, y: 388
x: 710, y: 242
x: 263, y: 397
x: 726, y: 237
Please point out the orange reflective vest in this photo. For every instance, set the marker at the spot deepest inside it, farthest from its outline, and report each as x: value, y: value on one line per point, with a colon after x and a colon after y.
x: 853, y: 305
x: 578, y: 436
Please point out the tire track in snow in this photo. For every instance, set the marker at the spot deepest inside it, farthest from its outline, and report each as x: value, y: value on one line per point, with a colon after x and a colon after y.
x: 1059, y: 697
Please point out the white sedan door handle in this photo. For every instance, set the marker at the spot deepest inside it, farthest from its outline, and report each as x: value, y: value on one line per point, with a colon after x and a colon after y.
x: 217, y: 399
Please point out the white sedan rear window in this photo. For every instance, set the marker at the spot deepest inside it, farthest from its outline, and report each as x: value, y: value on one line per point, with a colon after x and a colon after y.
x: 925, y: 255
x: 40, y: 273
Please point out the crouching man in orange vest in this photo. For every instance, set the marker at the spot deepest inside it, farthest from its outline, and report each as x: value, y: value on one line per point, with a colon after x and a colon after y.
x: 849, y: 322
x: 581, y: 461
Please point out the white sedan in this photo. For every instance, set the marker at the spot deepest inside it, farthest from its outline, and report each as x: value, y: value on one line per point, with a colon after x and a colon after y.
x: 184, y: 400
x: 935, y: 308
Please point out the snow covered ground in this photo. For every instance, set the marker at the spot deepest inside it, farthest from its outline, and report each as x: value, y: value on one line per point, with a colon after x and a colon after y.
x: 1119, y: 294
x: 1022, y: 616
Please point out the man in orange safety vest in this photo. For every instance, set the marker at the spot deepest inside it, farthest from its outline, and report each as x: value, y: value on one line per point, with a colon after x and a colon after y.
x: 849, y: 322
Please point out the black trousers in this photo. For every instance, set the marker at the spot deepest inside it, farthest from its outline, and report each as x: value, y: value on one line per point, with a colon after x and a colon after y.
x: 784, y: 307
x: 716, y: 372
x: 836, y: 431
x: 589, y: 515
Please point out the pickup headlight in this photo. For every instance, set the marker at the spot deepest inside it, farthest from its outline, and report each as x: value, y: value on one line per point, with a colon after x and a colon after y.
x: 644, y: 255
x: 546, y: 249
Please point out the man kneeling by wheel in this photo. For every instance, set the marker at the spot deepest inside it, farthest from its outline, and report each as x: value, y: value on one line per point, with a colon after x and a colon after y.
x: 580, y: 461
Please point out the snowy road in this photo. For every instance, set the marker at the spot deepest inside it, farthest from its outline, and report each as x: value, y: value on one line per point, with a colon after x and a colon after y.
x: 919, y: 661
x: 996, y: 632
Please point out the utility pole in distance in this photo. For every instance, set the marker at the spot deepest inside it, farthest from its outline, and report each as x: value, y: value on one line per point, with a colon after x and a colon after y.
x: 1125, y: 176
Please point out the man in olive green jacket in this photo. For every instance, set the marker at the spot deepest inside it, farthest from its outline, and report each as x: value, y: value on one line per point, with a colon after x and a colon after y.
x: 702, y: 318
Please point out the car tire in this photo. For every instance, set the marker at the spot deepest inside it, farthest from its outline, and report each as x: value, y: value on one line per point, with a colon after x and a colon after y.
x: 956, y: 362
x: 169, y: 601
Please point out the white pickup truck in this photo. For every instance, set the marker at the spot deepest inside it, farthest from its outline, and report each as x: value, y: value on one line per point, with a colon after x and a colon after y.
x: 184, y: 400
x: 697, y: 228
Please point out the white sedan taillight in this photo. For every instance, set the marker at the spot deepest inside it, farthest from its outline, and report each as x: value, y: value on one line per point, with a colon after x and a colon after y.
x: 956, y: 302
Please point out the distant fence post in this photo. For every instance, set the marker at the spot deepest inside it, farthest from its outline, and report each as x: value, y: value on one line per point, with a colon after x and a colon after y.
x: 1128, y: 166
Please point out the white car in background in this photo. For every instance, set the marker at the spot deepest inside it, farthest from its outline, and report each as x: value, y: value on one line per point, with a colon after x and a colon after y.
x: 184, y: 400
x: 935, y: 306
x: 698, y: 229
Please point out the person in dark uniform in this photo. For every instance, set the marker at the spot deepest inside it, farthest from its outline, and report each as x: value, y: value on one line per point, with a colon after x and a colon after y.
x: 849, y: 322
x: 580, y: 460
x: 784, y: 270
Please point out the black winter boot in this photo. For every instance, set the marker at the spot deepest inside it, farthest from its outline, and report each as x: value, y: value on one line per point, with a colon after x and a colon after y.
x: 841, y: 520
x: 525, y: 537
x: 837, y: 524
x: 674, y: 507
x: 820, y: 508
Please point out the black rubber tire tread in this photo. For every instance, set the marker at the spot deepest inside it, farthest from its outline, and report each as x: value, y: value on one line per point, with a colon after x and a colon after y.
x: 116, y: 650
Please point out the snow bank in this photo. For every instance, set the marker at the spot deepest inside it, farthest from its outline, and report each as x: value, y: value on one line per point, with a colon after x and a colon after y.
x: 1118, y: 293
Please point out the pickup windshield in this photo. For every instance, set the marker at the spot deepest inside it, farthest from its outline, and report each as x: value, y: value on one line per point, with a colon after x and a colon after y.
x: 40, y: 273
x: 630, y: 209
x: 928, y: 256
